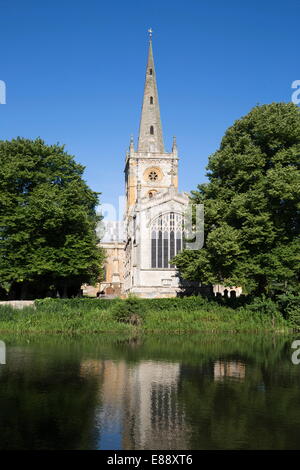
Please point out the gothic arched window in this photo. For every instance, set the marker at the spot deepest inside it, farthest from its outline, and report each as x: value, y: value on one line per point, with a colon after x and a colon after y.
x: 166, y: 239
x: 151, y: 130
x: 150, y: 71
x: 151, y: 99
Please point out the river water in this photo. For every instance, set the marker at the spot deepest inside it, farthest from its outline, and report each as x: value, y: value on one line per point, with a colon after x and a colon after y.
x: 152, y: 392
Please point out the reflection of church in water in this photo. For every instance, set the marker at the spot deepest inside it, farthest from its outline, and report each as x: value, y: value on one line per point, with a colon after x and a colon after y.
x: 139, y: 405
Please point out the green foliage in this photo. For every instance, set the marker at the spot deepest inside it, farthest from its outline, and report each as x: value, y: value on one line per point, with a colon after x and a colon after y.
x: 264, y: 306
x: 131, y: 310
x: 177, y: 303
x: 290, y: 307
x: 294, y: 317
x: 140, y: 304
x: 79, y: 303
x: 252, y: 206
x: 144, y: 315
x: 48, y: 241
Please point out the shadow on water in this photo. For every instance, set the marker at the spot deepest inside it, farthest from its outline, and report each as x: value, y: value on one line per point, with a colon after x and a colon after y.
x: 157, y: 392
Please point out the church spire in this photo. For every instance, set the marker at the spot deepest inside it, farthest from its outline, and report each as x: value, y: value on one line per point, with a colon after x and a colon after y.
x: 150, y: 135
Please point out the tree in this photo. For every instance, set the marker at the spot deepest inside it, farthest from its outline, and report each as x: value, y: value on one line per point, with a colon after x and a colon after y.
x: 47, y: 221
x: 252, y: 205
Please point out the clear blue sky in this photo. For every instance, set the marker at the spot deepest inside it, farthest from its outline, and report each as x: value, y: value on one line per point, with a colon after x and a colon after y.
x: 74, y: 72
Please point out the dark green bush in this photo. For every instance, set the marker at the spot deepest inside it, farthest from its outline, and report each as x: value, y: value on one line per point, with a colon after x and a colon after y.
x: 290, y: 308
x: 84, y: 304
x: 294, y: 318
x: 264, y: 306
x: 175, y: 303
x: 130, y: 310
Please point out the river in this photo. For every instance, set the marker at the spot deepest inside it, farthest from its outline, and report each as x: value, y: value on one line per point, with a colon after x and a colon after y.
x: 153, y: 392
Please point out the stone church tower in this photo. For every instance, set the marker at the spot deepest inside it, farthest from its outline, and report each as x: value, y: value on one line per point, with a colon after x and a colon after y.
x: 154, y: 209
x: 139, y: 258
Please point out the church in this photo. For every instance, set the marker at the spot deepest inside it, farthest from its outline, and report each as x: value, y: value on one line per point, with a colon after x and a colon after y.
x: 141, y: 263
x: 139, y: 254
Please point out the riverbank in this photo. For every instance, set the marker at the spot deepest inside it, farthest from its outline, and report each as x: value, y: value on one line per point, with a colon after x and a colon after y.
x: 187, y: 315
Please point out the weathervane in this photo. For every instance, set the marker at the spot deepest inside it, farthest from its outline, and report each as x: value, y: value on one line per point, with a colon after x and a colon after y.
x: 150, y: 31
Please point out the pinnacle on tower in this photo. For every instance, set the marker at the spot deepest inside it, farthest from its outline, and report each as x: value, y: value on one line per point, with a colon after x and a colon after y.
x: 174, y: 146
x: 150, y: 135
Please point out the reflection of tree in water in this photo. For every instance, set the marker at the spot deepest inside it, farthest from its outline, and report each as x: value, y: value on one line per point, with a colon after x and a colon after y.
x: 45, y: 402
x: 256, y: 410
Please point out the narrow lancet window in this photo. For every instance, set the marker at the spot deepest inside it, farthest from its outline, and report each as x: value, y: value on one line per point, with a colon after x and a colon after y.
x: 151, y: 130
x: 151, y: 99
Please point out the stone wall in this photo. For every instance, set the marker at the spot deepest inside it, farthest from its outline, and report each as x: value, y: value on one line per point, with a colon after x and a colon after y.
x: 19, y: 304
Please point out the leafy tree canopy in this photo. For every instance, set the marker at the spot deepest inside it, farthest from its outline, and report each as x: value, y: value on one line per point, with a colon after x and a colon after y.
x: 47, y: 219
x: 252, y: 205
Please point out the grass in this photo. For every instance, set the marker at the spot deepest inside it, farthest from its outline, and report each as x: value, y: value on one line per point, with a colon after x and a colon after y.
x: 85, y: 316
